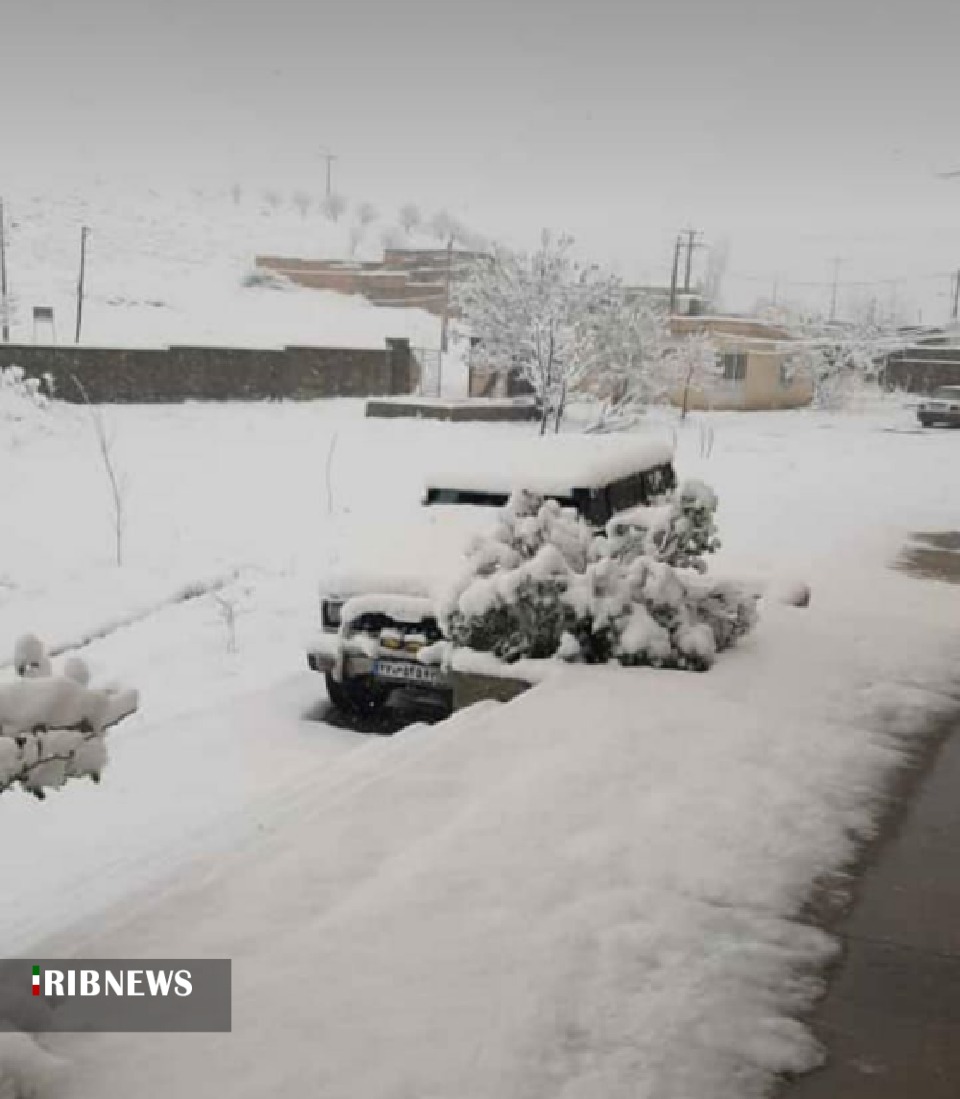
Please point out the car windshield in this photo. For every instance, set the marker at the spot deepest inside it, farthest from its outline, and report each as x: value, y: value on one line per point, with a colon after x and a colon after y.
x: 479, y: 499
x: 456, y: 496
x: 947, y: 393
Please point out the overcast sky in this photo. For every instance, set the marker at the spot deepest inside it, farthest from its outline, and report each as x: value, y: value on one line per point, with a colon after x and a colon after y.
x: 802, y: 131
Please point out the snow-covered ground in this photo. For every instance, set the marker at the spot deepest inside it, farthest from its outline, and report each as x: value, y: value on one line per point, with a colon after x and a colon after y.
x: 590, y: 892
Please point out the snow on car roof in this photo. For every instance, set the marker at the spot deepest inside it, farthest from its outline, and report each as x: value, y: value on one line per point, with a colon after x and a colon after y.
x: 553, y: 465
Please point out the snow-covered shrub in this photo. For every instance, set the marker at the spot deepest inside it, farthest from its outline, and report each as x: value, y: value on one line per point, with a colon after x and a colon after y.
x: 333, y: 206
x: 29, y: 658
x: 544, y: 583
x: 24, y: 403
x: 52, y: 727
x: 678, y: 531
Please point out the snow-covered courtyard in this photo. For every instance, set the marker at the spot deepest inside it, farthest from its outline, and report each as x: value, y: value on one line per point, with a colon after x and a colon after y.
x: 593, y: 891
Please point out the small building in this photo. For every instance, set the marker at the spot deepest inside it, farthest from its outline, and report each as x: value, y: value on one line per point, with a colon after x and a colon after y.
x: 405, y: 277
x: 758, y: 367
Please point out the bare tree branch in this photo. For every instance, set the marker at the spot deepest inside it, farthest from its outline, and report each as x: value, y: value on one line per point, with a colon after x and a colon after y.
x: 114, y: 477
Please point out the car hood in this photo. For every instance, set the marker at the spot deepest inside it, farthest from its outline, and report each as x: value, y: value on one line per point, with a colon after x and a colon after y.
x: 421, y: 558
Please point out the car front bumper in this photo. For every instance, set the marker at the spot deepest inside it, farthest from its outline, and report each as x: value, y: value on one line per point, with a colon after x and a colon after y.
x: 331, y: 656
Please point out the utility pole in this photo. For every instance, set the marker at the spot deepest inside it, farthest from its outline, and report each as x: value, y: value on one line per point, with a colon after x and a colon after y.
x: 329, y: 158
x: 3, y: 279
x: 956, y: 295
x: 445, y: 322
x: 833, y: 297
x: 83, y: 263
x: 692, y: 243
x: 673, y: 276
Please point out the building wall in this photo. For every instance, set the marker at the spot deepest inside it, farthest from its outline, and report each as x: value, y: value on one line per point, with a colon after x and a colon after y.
x: 494, y: 383
x: 767, y: 352
x: 760, y: 389
x: 731, y: 327
x: 173, y: 374
x: 412, y: 277
x: 922, y: 369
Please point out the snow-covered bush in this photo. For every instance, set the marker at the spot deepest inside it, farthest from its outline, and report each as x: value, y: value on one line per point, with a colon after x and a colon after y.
x: 366, y: 213
x: 24, y: 405
x: 409, y: 217
x: 21, y: 398
x: 544, y: 583
x: 52, y: 727
x: 333, y: 206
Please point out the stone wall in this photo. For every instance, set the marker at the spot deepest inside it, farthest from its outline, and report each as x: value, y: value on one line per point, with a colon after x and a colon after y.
x: 167, y: 375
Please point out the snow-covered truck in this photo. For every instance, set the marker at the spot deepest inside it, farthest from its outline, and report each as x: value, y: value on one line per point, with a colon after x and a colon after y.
x: 379, y: 614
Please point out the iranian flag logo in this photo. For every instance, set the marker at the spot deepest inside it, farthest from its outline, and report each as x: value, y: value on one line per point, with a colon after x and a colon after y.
x: 36, y: 980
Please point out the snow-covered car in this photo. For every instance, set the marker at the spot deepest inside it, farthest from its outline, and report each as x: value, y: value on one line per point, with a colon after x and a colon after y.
x: 943, y: 407
x: 379, y: 615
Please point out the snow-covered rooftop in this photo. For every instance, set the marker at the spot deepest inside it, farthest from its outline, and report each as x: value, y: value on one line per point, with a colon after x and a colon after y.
x: 553, y: 465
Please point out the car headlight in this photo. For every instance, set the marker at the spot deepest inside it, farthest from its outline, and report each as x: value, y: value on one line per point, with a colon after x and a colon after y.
x: 331, y: 612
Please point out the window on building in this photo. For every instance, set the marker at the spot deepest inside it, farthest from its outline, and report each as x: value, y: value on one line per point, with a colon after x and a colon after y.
x: 734, y: 365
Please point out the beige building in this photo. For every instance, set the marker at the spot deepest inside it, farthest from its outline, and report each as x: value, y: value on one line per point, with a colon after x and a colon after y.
x: 758, y: 365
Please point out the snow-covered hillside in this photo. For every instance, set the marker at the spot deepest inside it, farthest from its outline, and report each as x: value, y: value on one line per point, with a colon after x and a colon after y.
x: 168, y: 267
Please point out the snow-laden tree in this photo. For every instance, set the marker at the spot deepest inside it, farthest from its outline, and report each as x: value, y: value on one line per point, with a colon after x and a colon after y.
x: 838, y: 357
x: 629, y: 341
x: 535, y: 317
x: 303, y: 200
x: 691, y: 365
x: 409, y: 217
x: 391, y: 236
x: 334, y: 206
x: 366, y: 213
x: 443, y: 226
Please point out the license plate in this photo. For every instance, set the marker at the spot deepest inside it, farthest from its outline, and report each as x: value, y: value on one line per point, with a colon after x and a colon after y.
x: 406, y: 670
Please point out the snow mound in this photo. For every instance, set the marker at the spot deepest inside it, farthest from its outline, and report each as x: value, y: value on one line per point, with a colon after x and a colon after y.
x: 27, y: 1071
